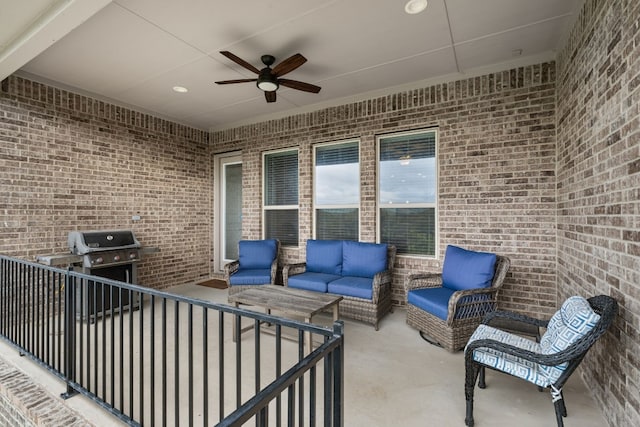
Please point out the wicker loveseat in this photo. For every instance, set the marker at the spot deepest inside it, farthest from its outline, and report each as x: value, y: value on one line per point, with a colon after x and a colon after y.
x: 446, y: 308
x: 360, y: 272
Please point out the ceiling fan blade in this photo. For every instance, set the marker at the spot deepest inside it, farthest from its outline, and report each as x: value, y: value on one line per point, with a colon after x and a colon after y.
x: 227, y: 82
x: 288, y: 65
x: 294, y: 84
x: 270, y: 96
x: 240, y: 61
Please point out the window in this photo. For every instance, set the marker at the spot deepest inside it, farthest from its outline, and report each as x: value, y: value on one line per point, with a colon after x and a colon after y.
x: 281, y: 197
x: 407, y: 191
x: 337, y: 191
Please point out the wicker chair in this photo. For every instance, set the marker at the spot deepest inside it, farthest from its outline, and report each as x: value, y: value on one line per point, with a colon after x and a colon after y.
x: 465, y: 311
x: 257, y: 265
x: 570, y: 334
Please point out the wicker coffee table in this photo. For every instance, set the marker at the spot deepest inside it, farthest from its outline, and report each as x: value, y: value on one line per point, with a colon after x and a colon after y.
x: 293, y: 302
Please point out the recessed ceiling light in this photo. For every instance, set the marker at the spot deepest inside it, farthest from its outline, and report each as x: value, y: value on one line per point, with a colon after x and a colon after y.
x: 415, y: 6
x: 180, y: 89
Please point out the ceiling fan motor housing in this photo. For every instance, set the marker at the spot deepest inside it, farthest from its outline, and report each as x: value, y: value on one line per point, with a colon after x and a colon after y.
x: 268, y: 60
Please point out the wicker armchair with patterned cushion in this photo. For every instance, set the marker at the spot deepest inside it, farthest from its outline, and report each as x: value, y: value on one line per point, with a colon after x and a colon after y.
x: 257, y: 265
x: 548, y: 364
x: 446, y: 308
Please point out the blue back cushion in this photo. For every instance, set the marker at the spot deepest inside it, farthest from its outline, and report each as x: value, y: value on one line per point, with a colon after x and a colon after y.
x: 257, y: 254
x: 363, y: 259
x: 324, y: 256
x: 465, y: 269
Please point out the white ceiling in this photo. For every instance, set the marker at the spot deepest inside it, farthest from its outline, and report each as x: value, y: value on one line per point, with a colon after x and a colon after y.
x: 133, y: 52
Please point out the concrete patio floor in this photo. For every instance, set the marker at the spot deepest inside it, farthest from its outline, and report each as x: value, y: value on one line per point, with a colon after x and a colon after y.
x: 393, y: 378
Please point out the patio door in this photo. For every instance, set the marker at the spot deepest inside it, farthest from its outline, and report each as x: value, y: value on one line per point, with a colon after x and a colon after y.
x: 228, y: 207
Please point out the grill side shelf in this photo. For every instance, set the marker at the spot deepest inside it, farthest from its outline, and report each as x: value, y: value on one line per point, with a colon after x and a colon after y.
x: 59, y: 260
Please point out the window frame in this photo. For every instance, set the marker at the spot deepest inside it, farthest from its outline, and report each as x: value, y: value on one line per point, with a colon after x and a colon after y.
x: 422, y: 205
x: 314, y: 205
x: 266, y: 207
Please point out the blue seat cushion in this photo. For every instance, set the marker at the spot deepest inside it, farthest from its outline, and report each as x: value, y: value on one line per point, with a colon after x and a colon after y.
x: 255, y: 254
x: 254, y: 276
x: 324, y: 256
x: 311, y: 281
x: 431, y: 300
x: 359, y: 287
x: 464, y: 269
x: 363, y: 259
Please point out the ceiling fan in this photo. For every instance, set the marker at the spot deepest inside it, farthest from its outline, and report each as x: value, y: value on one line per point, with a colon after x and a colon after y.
x: 269, y: 79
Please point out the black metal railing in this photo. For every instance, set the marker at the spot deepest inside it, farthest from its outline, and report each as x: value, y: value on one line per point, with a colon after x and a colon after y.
x: 161, y: 359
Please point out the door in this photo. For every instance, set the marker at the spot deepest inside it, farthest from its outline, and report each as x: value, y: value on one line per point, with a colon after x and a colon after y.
x: 229, y: 207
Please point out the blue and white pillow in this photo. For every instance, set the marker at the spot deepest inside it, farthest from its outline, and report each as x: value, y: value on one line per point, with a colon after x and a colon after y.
x: 573, y: 321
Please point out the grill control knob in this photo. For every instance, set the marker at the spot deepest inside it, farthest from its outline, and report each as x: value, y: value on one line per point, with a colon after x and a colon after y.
x: 132, y: 255
x: 116, y: 257
x: 99, y: 260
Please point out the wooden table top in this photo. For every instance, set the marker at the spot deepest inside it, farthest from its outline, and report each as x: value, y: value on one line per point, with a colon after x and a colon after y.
x: 293, y: 301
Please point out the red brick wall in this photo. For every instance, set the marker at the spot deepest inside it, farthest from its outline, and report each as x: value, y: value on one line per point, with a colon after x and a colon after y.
x: 599, y: 191
x: 68, y: 161
x: 496, y: 159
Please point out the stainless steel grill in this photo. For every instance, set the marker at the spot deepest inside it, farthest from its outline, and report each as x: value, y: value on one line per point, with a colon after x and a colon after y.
x: 102, y: 249
x: 111, y: 254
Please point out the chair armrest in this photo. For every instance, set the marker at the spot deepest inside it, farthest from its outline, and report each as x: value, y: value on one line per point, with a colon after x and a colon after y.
x: 473, y: 308
x: 292, y: 270
x: 229, y: 269
x: 542, y: 359
x: 423, y: 280
x: 516, y: 317
x: 380, y: 280
x: 274, y: 271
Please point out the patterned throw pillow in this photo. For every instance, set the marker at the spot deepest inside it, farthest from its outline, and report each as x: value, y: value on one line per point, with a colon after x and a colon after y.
x: 574, y: 320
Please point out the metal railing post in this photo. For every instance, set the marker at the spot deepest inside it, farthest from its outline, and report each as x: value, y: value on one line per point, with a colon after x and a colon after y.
x: 69, y: 336
x: 338, y: 376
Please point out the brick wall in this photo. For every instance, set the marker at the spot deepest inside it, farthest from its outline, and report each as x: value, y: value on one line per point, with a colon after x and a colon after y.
x: 496, y: 159
x: 25, y: 403
x: 68, y: 161
x: 599, y: 190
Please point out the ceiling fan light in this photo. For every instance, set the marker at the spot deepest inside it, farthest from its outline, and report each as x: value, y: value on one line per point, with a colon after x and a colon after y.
x: 267, y: 85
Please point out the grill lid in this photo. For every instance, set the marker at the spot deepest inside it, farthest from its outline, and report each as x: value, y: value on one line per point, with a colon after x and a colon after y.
x: 84, y: 242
